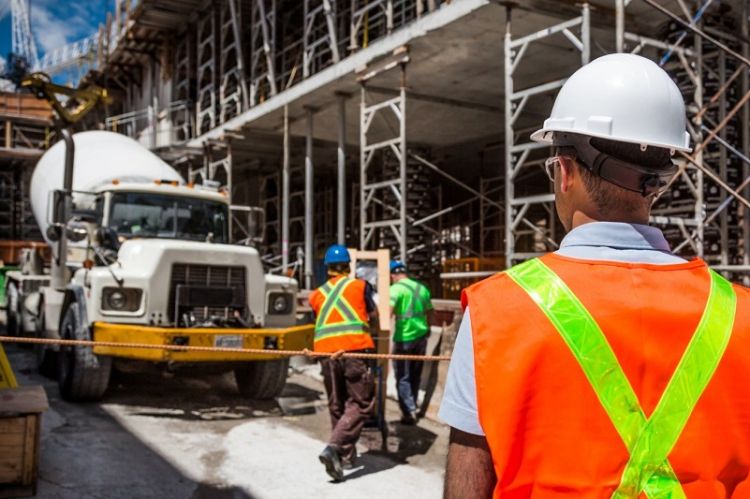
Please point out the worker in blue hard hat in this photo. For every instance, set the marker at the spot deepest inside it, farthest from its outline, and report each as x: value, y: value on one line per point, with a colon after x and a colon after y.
x: 411, y: 306
x: 345, y: 315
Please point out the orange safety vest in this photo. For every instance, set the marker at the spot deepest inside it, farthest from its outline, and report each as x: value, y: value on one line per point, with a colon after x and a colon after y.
x: 341, y: 316
x: 547, y: 430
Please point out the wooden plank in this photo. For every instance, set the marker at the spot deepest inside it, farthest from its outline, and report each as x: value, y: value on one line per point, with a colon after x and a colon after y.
x: 11, y: 468
x: 30, y: 450
x: 11, y: 440
x: 12, y: 425
x: 23, y: 400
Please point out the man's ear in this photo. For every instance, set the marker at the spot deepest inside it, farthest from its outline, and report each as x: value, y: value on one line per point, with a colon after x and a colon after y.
x: 567, y: 173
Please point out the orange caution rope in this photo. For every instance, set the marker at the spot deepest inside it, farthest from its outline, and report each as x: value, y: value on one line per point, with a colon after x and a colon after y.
x: 255, y: 351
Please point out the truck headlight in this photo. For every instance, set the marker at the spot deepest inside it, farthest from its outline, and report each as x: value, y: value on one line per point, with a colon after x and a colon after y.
x: 121, y: 299
x: 279, y: 303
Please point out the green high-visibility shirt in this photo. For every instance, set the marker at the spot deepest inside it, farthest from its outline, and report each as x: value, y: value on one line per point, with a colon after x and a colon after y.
x: 411, y: 301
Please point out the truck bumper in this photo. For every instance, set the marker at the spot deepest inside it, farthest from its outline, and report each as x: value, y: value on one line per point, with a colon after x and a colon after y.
x: 292, y: 338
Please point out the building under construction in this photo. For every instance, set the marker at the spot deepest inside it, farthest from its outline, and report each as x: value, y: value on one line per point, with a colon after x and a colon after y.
x: 405, y: 123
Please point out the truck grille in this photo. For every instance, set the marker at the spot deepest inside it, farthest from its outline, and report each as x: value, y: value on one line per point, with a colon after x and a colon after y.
x: 204, y: 284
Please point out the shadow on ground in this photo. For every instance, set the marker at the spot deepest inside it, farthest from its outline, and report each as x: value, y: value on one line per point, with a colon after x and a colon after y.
x: 402, y: 443
x: 87, y: 454
x: 204, y: 491
x: 203, y: 397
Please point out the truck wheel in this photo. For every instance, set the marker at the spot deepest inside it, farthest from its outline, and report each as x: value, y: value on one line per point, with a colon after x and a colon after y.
x: 82, y: 375
x: 46, y: 358
x: 263, y: 379
x: 13, y: 319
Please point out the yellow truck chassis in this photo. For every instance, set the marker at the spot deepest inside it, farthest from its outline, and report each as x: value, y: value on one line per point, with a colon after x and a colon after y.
x: 291, y: 338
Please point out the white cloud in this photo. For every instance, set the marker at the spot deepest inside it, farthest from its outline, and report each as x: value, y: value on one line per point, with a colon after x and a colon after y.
x: 52, y: 31
x: 4, y: 9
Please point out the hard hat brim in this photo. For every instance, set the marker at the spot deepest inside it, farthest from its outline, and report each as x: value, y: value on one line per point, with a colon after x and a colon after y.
x: 545, y: 136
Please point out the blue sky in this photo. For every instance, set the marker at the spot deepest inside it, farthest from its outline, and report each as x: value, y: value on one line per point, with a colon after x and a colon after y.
x: 56, y: 22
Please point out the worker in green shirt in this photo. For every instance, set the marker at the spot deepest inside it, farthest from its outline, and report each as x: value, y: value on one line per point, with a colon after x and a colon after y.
x: 411, y: 307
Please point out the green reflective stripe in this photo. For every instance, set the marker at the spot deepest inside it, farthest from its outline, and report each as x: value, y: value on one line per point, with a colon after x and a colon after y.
x: 344, y: 307
x: 403, y: 317
x: 334, y: 300
x: 325, y: 289
x: 415, y: 297
x: 340, y: 329
x: 329, y: 302
x: 696, y: 367
x: 595, y: 356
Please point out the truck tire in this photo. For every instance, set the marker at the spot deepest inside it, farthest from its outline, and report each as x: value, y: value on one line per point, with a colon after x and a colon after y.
x: 13, y: 318
x: 82, y: 375
x: 262, y: 380
x: 46, y: 358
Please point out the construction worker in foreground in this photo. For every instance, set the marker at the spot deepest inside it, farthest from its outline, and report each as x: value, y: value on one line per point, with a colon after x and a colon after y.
x: 611, y: 367
x: 411, y: 306
x: 345, y: 314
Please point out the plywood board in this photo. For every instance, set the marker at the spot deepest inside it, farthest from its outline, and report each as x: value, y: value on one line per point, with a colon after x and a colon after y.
x: 23, y: 400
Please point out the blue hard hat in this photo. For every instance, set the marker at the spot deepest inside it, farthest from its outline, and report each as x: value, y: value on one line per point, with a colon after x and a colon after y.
x: 397, y: 266
x: 337, y: 254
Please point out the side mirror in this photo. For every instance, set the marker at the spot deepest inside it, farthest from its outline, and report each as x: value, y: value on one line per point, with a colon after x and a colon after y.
x: 250, y: 222
x: 75, y: 232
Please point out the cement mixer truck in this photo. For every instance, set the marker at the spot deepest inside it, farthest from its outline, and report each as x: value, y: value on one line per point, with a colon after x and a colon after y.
x: 141, y: 256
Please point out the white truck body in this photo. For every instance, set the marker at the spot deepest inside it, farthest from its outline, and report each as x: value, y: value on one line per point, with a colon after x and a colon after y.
x: 170, y: 273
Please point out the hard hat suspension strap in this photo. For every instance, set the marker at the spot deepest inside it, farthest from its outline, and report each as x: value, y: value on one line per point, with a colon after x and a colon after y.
x: 624, y: 174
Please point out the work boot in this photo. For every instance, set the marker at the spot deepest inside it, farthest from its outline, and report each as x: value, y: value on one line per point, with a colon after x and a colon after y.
x: 348, y: 462
x: 331, y: 460
x: 409, y: 418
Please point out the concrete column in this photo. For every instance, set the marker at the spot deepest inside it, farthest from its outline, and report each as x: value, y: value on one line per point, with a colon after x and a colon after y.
x: 620, y: 25
x: 341, y: 203
x: 285, y: 194
x: 308, y: 198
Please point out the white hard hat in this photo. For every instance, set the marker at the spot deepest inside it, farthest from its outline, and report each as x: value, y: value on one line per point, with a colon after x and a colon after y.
x: 620, y: 97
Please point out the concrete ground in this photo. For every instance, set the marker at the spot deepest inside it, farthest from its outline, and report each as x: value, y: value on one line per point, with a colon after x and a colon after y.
x: 175, y: 436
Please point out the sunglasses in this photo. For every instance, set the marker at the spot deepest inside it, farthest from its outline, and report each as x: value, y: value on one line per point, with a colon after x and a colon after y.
x: 549, y: 167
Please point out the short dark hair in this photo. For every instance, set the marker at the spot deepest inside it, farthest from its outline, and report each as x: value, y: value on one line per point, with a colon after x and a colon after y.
x: 339, y: 268
x: 607, y: 196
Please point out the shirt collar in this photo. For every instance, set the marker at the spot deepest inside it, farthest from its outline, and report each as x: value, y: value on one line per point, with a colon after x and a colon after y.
x: 616, y: 235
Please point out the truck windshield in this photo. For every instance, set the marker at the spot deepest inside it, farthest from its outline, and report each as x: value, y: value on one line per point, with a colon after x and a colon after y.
x: 137, y: 214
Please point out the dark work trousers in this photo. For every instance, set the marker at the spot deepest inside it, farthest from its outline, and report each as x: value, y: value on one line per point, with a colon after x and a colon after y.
x: 351, y: 399
x: 409, y: 373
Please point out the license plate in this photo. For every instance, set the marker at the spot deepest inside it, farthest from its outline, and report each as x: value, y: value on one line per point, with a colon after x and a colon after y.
x: 228, y: 341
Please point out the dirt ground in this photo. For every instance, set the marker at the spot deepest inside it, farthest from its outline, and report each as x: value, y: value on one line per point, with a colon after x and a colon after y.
x: 177, y: 436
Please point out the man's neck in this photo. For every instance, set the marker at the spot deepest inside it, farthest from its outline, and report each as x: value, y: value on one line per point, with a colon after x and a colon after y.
x: 581, y: 218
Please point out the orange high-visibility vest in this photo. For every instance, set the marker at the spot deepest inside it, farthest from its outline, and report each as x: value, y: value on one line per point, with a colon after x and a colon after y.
x: 341, y: 316
x: 549, y: 434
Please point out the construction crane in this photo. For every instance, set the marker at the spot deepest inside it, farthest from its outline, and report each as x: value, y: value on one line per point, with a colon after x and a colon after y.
x: 25, y: 57
x: 23, y: 44
x: 61, y: 97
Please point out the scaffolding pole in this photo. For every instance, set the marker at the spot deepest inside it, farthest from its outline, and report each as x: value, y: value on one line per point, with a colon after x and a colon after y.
x: 373, y: 192
x: 517, y: 155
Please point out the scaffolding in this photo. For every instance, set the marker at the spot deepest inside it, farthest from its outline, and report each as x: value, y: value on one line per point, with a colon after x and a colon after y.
x: 530, y: 216
x: 702, y: 214
x: 232, y: 56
